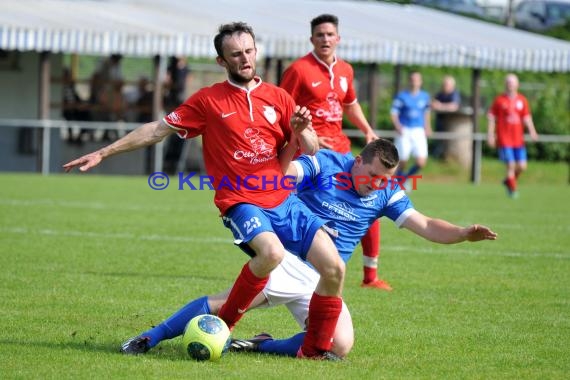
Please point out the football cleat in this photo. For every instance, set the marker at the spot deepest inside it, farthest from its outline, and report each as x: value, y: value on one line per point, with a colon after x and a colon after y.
x: 327, y: 355
x: 249, y: 345
x: 513, y: 194
x: 378, y: 284
x: 136, y: 346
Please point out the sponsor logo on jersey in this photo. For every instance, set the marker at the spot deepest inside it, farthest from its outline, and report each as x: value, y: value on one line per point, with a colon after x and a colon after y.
x: 174, y: 117
x: 340, y: 210
x: 224, y: 115
x: 261, y: 150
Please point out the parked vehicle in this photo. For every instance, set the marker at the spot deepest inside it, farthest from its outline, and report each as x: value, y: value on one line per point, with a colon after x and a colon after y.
x: 468, y: 7
x: 541, y: 15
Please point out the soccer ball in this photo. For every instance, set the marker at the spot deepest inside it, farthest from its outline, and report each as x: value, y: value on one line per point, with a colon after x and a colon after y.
x: 206, y: 337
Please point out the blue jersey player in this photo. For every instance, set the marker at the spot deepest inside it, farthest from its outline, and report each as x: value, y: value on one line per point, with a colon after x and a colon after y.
x: 411, y: 116
x: 350, y: 193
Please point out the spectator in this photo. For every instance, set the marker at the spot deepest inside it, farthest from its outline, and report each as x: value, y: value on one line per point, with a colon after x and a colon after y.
x: 74, y: 108
x: 178, y: 76
x: 110, y: 98
x: 445, y: 101
x: 143, y: 101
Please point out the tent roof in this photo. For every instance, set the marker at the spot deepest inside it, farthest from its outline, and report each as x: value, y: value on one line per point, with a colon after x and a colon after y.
x: 371, y: 31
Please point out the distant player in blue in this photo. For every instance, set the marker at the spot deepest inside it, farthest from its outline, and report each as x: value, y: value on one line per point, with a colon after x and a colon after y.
x: 411, y: 117
x: 350, y: 193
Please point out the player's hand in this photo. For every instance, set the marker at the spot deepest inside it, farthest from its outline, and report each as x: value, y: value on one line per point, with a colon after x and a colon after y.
x: 326, y: 142
x: 478, y: 232
x: 428, y: 132
x: 491, y: 142
x: 85, y: 163
x: 533, y: 135
x: 301, y: 119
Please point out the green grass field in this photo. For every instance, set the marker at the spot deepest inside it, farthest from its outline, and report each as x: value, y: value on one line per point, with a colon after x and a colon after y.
x: 88, y: 261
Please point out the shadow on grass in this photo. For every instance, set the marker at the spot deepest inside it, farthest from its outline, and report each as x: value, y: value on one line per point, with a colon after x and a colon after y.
x: 162, y: 352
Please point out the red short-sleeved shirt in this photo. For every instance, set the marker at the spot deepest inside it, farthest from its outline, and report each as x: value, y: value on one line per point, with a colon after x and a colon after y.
x: 324, y: 91
x: 242, y: 135
x: 509, y: 114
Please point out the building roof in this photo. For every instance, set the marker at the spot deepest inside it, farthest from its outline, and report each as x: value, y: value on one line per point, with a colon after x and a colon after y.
x: 370, y: 31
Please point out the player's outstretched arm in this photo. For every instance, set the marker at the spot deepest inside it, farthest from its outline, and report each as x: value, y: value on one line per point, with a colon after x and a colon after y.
x: 441, y: 231
x: 147, y: 134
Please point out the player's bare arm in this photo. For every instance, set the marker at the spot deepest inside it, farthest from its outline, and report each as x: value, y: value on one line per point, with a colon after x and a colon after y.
x: 396, y: 122
x: 443, y: 232
x: 427, y: 123
x: 491, y: 132
x: 530, y: 127
x: 303, y: 130
x: 145, y: 135
x: 303, y: 134
x: 355, y: 115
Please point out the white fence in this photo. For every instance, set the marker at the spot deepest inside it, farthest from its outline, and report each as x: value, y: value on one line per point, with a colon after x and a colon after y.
x: 46, y: 126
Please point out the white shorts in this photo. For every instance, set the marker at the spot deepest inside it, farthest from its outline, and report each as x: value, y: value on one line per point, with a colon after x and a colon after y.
x: 292, y: 284
x: 413, y: 142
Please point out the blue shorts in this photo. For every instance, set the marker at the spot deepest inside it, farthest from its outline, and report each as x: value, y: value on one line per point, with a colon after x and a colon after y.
x: 292, y: 221
x: 508, y: 154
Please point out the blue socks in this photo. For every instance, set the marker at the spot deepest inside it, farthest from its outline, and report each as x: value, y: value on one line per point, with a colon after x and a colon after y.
x: 286, y: 347
x: 175, y: 324
x: 413, y: 170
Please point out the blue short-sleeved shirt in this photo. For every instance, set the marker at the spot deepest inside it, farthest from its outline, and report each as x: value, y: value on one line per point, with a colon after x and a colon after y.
x: 339, y: 204
x: 411, y: 108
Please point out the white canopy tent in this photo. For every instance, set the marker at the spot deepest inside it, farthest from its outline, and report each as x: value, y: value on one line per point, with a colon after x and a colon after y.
x: 372, y: 32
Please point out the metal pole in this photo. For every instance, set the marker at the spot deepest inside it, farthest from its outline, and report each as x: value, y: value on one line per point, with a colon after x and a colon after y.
x: 373, y: 95
x: 477, y: 144
x: 43, y: 112
x: 510, y: 20
x: 279, y: 71
x: 157, y: 111
x: 397, y: 79
x: 46, y: 144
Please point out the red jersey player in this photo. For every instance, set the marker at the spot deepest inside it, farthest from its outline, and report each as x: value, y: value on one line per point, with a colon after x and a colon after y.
x: 324, y: 83
x: 246, y: 124
x: 507, y: 117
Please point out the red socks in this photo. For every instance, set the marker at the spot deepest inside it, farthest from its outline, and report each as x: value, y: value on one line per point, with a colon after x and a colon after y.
x: 371, y: 250
x: 245, y: 288
x: 323, y: 316
x: 511, y: 183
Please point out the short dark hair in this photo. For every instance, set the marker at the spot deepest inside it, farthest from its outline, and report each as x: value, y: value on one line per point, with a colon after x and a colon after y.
x: 384, y: 149
x: 229, y: 29
x: 324, y: 18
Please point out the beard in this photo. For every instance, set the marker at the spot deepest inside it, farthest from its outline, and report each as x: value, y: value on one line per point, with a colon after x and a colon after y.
x: 241, y: 79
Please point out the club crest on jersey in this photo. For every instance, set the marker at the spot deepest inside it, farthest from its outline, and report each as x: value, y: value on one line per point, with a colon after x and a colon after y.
x: 369, y: 201
x: 343, y: 83
x: 269, y: 113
